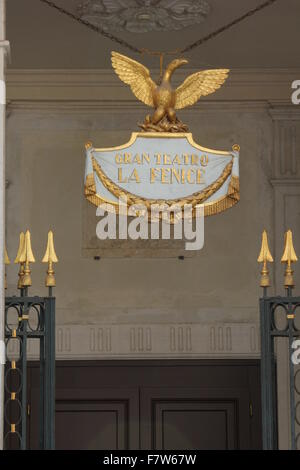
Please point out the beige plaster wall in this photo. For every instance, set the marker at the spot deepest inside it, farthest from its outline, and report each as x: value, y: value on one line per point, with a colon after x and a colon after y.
x: 206, y: 305
x: 45, y: 168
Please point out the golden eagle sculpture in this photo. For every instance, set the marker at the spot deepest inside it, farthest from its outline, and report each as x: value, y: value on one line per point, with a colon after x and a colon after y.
x: 163, y: 97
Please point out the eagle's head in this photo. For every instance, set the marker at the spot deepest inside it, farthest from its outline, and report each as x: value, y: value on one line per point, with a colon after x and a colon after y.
x: 176, y: 63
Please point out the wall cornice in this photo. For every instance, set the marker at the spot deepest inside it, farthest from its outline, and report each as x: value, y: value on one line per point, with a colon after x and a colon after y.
x: 119, y: 106
x: 103, y: 85
x: 284, y: 112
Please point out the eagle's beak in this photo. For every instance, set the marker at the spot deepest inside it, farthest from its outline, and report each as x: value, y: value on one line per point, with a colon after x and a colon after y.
x: 183, y: 61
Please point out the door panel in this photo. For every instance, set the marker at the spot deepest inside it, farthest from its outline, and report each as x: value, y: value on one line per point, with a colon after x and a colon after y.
x: 196, y: 418
x: 92, y: 426
x: 196, y: 425
x: 92, y: 419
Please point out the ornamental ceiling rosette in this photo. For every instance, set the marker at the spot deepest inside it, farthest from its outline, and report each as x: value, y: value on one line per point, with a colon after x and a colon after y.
x: 142, y: 16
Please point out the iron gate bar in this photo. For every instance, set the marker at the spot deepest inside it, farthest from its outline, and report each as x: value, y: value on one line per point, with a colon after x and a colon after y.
x: 45, y: 333
x: 24, y: 375
x: 49, y: 388
x: 292, y: 389
x: 268, y: 380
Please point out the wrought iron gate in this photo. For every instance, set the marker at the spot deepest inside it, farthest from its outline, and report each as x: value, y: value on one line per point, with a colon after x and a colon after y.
x: 273, y: 329
x: 29, y: 322
x: 280, y: 335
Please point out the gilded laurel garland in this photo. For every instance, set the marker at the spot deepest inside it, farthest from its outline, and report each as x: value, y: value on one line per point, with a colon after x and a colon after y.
x: 212, y: 208
x: 193, y: 199
x: 199, y: 197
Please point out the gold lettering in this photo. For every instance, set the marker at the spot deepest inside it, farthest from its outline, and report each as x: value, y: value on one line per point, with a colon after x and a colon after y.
x: 120, y: 176
x: 134, y: 176
x: 177, y: 160
x: 146, y: 157
x: 167, y: 159
x: 137, y: 159
x: 119, y: 158
x: 188, y: 176
x: 182, y: 176
x: 164, y: 173
x: 200, y: 180
x: 158, y: 158
x: 127, y: 157
x: 176, y: 174
x: 204, y: 160
x: 153, y: 174
x: 194, y: 160
x: 186, y: 158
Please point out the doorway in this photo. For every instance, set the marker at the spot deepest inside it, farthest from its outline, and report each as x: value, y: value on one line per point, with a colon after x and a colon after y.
x: 153, y: 404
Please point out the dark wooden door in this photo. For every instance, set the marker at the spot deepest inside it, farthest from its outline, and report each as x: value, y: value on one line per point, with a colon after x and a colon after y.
x: 153, y: 405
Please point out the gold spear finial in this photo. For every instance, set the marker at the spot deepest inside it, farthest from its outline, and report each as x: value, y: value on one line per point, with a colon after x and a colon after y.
x: 88, y: 145
x: 289, y: 256
x: 6, y: 258
x: 265, y: 257
x: 6, y: 262
x: 27, y: 257
x: 17, y: 260
x: 50, y: 258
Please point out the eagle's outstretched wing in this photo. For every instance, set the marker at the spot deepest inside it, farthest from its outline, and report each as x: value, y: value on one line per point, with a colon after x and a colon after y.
x: 199, y: 84
x: 136, y: 75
